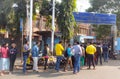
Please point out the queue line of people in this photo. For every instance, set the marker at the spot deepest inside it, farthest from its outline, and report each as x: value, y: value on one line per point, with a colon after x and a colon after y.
x: 35, y: 54
x: 80, y: 56
x: 74, y: 62
x: 76, y: 56
x: 8, y: 56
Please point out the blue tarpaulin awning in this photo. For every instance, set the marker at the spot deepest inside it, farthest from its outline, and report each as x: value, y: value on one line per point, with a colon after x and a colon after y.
x: 95, y: 18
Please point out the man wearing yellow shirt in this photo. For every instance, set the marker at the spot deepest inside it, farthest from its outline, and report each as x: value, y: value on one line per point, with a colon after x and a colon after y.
x: 59, y: 52
x: 90, y: 50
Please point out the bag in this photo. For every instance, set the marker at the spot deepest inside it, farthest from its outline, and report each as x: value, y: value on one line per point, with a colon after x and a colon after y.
x: 99, y: 50
x: 65, y: 53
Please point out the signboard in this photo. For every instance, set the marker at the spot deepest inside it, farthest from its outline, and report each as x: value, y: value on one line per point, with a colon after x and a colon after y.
x: 21, y: 24
x: 95, y: 18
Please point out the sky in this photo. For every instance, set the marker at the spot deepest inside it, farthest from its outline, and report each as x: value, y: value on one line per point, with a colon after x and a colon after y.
x: 81, y: 5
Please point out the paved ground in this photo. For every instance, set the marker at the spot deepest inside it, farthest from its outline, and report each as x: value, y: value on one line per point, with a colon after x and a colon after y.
x: 110, y: 70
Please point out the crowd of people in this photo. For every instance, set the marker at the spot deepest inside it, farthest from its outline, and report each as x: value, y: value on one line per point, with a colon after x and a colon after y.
x: 76, y: 56
x: 79, y: 55
x: 8, y: 56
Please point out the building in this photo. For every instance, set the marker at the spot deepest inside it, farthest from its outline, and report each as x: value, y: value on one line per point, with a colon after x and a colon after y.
x: 85, y: 28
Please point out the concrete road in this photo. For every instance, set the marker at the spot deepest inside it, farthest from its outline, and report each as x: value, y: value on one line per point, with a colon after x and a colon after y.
x: 110, y: 70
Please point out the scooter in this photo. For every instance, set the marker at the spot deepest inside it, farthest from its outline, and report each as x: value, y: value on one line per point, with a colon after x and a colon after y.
x: 113, y: 55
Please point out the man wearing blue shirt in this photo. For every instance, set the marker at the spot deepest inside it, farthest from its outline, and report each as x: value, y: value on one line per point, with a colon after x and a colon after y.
x: 35, y: 54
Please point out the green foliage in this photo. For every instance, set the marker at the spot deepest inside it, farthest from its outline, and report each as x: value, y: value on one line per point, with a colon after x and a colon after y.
x: 46, y: 9
x: 65, y: 18
x: 36, y: 6
x: 2, y: 20
x: 17, y: 13
x: 105, y: 6
x: 96, y: 4
x: 4, y: 11
x: 11, y: 15
x: 102, y: 31
x: 49, y: 22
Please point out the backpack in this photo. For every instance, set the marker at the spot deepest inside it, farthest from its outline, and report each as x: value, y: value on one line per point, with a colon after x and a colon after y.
x: 65, y: 53
x: 99, y: 50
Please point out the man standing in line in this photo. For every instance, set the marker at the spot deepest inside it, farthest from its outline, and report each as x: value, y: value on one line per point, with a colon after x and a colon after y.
x: 77, y: 51
x: 90, y: 50
x: 99, y: 53
x: 105, y: 52
x: 26, y: 51
x: 59, y: 52
x: 35, y: 54
x: 46, y: 54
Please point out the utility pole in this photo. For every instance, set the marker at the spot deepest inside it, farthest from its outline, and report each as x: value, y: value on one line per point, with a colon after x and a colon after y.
x: 53, y: 25
x: 28, y: 23
x: 115, y: 37
x: 30, y: 34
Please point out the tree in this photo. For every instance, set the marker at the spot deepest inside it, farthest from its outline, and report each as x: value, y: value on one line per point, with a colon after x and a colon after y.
x: 4, y: 10
x: 46, y: 9
x: 65, y: 18
x: 2, y: 20
x: 12, y: 15
x: 105, y: 6
x: 102, y: 31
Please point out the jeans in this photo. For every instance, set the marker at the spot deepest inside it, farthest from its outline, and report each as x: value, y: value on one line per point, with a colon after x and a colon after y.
x: 57, y: 66
x: 5, y: 64
x: 24, y: 62
x: 76, y: 63
x: 12, y: 61
x: 105, y: 54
